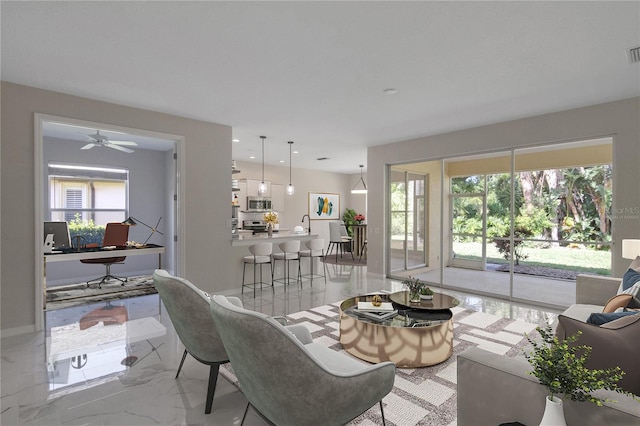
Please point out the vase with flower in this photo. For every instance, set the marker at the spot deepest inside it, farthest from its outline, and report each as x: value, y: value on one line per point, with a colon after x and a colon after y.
x: 271, y: 219
x: 359, y: 218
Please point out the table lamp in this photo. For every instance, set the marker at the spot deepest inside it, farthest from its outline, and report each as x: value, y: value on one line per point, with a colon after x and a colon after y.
x: 132, y: 221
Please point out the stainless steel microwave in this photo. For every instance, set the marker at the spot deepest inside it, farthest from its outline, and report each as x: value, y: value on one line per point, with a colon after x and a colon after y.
x: 258, y: 204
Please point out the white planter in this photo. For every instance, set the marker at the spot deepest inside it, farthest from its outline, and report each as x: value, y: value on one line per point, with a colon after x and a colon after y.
x: 553, y: 413
x: 425, y: 297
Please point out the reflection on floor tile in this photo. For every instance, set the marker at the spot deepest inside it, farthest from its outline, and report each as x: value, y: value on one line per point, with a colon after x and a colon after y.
x: 115, y: 363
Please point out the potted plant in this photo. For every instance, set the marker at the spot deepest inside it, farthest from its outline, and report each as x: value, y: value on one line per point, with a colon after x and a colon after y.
x: 349, y: 219
x: 414, y: 286
x: 560, y: 367
x: 426, y: 293
x: 359, y: 218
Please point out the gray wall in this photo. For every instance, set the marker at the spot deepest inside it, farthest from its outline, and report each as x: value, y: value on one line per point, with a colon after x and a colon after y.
x: 207, y: 149
x: 150, y: 189
x: 621, y: 119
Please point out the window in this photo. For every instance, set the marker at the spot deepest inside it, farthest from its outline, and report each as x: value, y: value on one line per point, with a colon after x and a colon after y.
x: 89, y: 194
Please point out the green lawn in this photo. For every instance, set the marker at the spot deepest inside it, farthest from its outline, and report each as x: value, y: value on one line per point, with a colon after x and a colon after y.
x: 575, y: 259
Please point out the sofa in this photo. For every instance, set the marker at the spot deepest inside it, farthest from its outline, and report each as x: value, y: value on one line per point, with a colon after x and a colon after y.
x: 493, y: 389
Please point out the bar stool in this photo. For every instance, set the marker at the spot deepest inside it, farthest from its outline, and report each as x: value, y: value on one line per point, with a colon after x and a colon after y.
x: 290, y: 251
x: 315, y: 248
x: 260, y: 255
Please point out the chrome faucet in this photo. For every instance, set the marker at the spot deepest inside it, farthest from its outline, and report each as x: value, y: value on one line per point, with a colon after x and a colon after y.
x: 308, y: 217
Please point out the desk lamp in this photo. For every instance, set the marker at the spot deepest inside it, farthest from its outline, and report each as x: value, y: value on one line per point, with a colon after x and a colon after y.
x: 132, y: 221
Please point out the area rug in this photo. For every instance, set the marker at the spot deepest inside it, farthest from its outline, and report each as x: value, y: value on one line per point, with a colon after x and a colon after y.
x: 421, y: 396
x: 66, y: 296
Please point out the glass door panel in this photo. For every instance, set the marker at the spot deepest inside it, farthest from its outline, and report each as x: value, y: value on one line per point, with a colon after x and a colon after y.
x: 408, y: 233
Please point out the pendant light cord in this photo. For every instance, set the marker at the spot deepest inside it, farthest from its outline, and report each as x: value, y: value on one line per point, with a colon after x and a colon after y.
x: 263, y: 138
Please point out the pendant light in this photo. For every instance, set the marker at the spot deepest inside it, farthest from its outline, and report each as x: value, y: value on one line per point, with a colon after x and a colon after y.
x: 362, y: 189
x: 262, y: 188
x: 290, y: 188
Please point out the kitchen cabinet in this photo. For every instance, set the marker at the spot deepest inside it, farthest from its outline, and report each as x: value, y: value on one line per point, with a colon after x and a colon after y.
x: 252, y: 188
x: 242, y: 195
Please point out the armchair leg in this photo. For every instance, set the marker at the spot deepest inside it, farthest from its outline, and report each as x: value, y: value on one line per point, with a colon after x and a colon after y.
x: 184, y: 355
x: 244, y: 416
x: 382, y: 412
x: 213, y: 379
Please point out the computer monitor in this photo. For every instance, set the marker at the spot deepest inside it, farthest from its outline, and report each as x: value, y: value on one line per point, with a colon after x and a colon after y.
x: 60, y: 231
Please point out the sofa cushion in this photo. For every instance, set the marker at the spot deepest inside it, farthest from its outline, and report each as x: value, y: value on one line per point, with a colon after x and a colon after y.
x: 598, y: 318
x: 631, y: 285
x: 581, y: 312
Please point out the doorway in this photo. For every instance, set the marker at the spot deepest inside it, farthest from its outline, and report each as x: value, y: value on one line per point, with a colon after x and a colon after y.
x: 154, y: 163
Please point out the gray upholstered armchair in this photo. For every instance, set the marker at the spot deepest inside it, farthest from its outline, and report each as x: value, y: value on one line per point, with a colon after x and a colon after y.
x: 188, y: 308
x: 290, y: 380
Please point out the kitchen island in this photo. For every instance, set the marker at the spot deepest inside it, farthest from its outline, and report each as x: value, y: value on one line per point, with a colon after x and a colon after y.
x: 240, y: 248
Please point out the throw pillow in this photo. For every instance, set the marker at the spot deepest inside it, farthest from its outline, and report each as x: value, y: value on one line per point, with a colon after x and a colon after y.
x: 597, y: 318
x: 616, y: 302
x: 631, y: 285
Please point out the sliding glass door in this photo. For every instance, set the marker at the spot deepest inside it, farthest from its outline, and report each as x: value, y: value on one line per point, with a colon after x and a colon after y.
x: 408, y: 230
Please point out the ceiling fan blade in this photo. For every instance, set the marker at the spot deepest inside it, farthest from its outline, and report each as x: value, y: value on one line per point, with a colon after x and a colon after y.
x: 119, y: 148
x: 124, y: 143
x: 88, y: 146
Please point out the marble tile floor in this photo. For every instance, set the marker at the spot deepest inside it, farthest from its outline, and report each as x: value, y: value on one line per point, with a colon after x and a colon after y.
x: 46, y: 379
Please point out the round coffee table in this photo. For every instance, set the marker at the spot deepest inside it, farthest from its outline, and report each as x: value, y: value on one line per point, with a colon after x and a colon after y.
x: 420, y: 335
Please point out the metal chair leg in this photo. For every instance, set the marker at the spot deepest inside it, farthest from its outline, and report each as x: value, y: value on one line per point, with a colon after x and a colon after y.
x: 382, y: 412
x: 244, y: 416
x: 213, y: 379
x: 184, y: 355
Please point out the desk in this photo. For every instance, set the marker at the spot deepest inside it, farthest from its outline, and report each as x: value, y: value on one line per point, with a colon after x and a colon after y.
x: 95, y: 254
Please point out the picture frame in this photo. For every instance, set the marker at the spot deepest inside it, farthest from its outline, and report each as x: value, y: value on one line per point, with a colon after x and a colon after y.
x: 324, y: 206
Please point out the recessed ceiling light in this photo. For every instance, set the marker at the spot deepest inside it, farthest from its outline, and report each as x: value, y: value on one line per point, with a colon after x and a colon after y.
x: 296, y: 152
x: 282, y: 161
x: 252, y: 157
x: 235, y: 140
x: 390, y: 91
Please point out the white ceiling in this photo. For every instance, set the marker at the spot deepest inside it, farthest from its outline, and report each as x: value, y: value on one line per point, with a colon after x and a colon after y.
x: 315, y: 72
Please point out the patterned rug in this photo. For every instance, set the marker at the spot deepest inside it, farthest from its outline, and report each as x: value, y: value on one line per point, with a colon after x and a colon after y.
x: 421, y: 396
x: 65, y: 296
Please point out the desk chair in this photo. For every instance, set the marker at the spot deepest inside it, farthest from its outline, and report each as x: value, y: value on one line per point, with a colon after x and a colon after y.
x: 115, y: 234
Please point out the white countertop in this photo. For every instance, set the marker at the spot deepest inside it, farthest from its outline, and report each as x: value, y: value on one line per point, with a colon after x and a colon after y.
x: 246, y: 238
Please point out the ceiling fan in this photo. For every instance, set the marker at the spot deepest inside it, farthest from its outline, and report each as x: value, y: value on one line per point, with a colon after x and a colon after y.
x: 101, y: 140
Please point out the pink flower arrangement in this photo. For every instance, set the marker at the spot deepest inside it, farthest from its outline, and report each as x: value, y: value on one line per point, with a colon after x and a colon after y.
x: 359, y: 217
